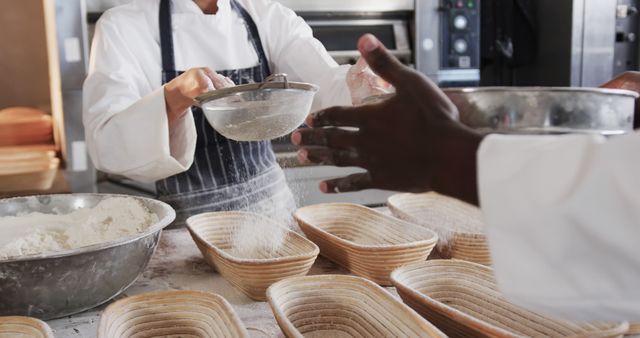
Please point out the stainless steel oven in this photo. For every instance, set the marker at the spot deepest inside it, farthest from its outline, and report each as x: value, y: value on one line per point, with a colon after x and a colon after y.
x: 339, y: 25
x: 340, y: 35
x: 447, y: 41
x: 441, y: 38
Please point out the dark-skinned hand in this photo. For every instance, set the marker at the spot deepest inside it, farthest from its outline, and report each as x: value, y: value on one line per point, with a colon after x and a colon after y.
x: 408, y: 142
x: 629, y: 81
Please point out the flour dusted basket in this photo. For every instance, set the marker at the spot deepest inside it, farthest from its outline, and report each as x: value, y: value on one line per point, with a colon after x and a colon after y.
x: 461, y: 298
x: 258, y: 111
x: 213, y: 234
x: 459, y: 225
x: 171, y: 314
x: 24, y: 327
x: 343, y: 306
x: 366, y: 242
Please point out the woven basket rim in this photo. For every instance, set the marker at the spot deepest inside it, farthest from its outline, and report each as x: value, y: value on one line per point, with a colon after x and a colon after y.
x: 35, y: 323
x: 380, y: 292
x: 252, y: 261
x: 456, y: 314
x: 396, y: 211
x: 367, y: 247
x: 225, y: 305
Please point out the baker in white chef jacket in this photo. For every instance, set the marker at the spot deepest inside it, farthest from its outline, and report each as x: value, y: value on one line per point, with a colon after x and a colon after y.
x: 151, y: 58
x: 563, y: 212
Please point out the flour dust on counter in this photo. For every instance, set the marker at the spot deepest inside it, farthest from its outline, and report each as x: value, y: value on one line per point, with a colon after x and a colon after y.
x: 39, y: 233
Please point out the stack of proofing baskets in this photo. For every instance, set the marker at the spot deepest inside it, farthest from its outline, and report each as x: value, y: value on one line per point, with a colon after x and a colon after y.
x: 28, y: 159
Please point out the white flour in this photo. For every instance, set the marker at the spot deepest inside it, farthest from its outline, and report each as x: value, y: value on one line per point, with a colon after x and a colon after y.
x: 36, y: 233
x: 264, y: 239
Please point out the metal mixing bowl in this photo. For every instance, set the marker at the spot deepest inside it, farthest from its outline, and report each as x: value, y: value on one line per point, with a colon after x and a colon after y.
x: 545, y: 110
x: 55, y: 285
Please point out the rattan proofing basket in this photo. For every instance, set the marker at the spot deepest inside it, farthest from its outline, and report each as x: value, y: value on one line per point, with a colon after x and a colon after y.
x: 24, y: 327
x: 343, y: 306
x: 634, y: 329
x: 459, y: 225
x: 171, y: 314
x: 211, y: 233
x: 366, y: 242
x: 461, y: 298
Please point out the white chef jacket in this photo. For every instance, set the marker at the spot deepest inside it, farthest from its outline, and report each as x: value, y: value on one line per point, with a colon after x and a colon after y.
x: 563, y: 218
x: 125, y: 116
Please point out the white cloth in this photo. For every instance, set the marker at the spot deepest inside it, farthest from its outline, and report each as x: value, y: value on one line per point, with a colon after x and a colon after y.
x: 124, y: 116
x: 563, y: 217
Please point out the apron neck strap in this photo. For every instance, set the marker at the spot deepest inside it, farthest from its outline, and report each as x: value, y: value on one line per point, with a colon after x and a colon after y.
x: 169, y: 71
x: 166, y: 42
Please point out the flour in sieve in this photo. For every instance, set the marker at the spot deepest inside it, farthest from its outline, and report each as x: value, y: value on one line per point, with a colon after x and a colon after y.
x: 36, y: 233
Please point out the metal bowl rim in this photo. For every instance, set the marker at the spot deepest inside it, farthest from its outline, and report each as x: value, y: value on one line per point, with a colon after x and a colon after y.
x: 623, y: 92
x: 254, y: 87
x: 161, y: 224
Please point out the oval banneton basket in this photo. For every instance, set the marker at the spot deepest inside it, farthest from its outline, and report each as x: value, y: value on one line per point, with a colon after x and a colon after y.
x: 24, y: 327
x: 461, y: 298
x: 634, y: 329
x: 366, y: 242
x: 171, y: 314
x: 343, y: 306
x: 459, y: 225
x: 213, y: 234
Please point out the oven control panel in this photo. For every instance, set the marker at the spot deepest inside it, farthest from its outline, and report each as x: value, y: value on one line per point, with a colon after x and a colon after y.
x: 460, y: 34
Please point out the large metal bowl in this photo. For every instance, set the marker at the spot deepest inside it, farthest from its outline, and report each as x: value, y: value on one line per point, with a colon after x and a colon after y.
x: 55, y: 285
x: 545, y: 110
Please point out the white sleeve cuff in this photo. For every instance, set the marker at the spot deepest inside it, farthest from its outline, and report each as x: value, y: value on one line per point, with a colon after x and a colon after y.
x: 135, y: 142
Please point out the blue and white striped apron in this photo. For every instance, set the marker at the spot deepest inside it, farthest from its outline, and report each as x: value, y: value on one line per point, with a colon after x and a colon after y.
x: 226, y: 174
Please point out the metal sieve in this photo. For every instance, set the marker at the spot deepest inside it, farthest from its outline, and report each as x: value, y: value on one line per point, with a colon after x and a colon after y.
x: 258, y: 111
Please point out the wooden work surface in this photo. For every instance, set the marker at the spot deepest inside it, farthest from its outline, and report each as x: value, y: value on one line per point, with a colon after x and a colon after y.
x: 178, y: 265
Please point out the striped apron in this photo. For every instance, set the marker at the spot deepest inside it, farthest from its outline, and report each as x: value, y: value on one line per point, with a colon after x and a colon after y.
x: 226, y: 175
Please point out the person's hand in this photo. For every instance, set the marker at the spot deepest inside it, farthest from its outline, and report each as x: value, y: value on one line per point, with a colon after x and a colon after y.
x: 629, y: 81
x: 363, y: 82
x: 180, y: 92
x: 409, y: 142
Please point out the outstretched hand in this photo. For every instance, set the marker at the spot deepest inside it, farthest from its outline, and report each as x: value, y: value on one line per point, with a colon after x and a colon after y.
x: 408, y: 142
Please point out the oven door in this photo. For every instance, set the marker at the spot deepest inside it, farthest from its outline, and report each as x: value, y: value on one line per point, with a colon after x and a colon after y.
x: 340, y: 37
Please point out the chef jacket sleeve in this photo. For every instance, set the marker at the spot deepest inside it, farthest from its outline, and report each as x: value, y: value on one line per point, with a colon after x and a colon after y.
x: 293, y: 50
x: 126, y: 125
x: 563, y: 218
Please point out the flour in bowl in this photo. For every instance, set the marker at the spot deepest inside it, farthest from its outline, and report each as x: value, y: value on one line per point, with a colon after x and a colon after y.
x: 35, y: 233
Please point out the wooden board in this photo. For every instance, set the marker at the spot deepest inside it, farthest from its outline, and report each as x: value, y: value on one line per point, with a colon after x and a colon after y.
x: 29, y: 61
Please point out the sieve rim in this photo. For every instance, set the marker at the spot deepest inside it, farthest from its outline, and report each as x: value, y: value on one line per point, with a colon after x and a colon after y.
x: 270, y: 84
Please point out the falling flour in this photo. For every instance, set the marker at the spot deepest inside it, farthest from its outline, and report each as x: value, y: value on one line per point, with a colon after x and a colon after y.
x: 264, y: 239
x: 36, y: 233
x: 444, y: 215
